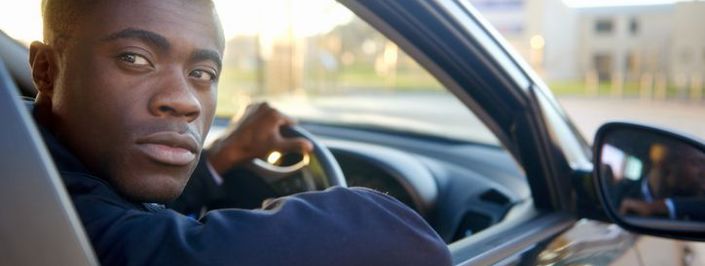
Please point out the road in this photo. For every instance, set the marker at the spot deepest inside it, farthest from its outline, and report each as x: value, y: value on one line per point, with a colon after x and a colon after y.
x: 443, y: 115
x: 589, y: 113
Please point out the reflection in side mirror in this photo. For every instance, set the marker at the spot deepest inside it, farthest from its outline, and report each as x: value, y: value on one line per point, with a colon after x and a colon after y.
x: 651, y: 180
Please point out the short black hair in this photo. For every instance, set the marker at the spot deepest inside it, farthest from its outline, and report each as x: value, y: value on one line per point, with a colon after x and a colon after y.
x: 60, y: 16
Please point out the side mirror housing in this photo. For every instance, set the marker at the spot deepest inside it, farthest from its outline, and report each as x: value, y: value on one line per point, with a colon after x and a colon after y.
x: 650, y: 180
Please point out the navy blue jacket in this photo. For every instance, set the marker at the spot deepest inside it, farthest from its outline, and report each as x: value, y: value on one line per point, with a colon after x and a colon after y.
x: 336, y: 227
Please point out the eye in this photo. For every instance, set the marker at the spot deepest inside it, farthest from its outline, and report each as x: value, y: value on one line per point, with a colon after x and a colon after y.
x: 203, y: 75
x: 134, y: 59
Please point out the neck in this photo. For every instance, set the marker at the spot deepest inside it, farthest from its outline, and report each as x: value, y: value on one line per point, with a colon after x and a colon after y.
x: 43, y: 114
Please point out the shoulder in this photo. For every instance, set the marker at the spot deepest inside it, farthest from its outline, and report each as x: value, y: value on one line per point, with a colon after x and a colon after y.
x: 339, y: 226
x: 343, y: 201
x: 370, y: 228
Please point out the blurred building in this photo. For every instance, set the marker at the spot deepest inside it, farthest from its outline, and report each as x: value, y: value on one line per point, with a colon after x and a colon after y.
x: 615, y: 42
x: 625, y: 42
x: 653, y: 46
x: 542, y: 31
x: 687, y: 51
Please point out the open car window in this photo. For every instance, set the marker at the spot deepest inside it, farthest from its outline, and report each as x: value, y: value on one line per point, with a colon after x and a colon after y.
x: 326, y: 66
x: 323, y: 64
x: 319, y: 62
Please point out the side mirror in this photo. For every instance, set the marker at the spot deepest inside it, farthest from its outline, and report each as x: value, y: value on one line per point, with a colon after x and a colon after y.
x: 650, y: 180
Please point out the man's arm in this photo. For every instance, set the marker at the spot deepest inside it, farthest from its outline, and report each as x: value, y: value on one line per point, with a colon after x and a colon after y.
x: 336, y: 227
x: 689, y: 208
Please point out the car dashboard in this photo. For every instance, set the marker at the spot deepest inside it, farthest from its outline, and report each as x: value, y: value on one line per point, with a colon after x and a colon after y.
x: 459, y: 188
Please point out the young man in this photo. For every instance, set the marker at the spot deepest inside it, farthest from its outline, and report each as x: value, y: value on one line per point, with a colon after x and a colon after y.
x: 127, y: 93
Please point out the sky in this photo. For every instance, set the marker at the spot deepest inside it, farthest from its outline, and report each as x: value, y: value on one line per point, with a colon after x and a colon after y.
x: 239, y: 17
x: 607, y: 3
x: 23, y: 20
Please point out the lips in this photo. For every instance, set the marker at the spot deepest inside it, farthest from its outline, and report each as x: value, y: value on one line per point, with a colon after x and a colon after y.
x: 169, y: 148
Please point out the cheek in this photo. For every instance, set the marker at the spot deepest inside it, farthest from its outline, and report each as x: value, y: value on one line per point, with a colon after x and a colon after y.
x: 89, y: 79
x: 208, y: 105
x: 209, y: 99
x: 118, y: 91
x: 99, y: 100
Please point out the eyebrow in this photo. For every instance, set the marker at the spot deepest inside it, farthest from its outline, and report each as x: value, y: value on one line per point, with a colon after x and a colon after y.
x: 144, y: 35
x: 204, y: 54
x: 161, y: 42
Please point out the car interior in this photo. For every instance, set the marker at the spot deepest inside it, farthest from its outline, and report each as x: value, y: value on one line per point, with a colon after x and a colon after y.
x: 460, y: 187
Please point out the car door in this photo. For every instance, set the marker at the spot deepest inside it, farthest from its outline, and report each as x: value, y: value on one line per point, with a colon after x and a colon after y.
x: 449, y: 40
x: 452, y: 41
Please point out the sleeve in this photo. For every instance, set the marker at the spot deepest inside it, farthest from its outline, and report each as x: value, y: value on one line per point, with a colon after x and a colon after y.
x: 689, y: 208
x: 203, y: 192
x: 336, y: 227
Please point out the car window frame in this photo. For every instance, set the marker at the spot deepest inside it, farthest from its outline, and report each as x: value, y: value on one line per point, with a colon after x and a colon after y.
x: 524, y: 130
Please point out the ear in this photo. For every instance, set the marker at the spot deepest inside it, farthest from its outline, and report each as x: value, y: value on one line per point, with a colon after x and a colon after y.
x: 45, y: 66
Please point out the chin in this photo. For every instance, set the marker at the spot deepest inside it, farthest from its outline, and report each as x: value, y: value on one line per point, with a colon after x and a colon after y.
x: 152, y: 188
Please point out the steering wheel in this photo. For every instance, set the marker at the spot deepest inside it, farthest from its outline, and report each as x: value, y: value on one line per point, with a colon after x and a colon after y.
x: 315, y: 171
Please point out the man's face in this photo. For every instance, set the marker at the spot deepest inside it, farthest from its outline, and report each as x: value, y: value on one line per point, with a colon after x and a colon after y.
x: 135, y: 94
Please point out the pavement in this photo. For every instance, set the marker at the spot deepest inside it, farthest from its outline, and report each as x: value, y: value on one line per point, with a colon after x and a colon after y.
x: 588, y: 113
x: 443, y: 115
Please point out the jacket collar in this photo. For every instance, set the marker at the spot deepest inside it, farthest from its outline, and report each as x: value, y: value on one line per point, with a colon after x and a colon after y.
x: 64, y: 160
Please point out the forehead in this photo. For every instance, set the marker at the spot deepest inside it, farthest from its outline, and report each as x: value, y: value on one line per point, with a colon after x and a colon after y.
x: 192, y: 21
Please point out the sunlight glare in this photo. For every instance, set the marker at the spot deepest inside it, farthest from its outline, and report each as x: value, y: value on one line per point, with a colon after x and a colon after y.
x: 239, y: 17
x: 271, y: 17
x: 274, y: 157
x: 22, y: 20
x: 608, y: 3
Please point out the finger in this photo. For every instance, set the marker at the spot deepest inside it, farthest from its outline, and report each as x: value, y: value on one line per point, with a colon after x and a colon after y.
x: 281, y: 118
x: 263, y: 108
x: 242, y: 114
x: 289, y: 120
x: 296, y: 145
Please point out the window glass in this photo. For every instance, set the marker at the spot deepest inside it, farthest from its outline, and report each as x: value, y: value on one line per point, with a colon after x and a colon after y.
x: 317, y: 61
x: 323, y: 64
x: 604, y: 26
x: 634, y: 26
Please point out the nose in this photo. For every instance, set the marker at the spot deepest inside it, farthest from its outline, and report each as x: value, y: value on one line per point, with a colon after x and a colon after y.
x: 175, y: 98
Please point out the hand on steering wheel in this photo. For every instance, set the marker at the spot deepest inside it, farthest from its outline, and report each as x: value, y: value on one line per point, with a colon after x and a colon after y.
x: 319, y: 169
x: 262, y: 131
